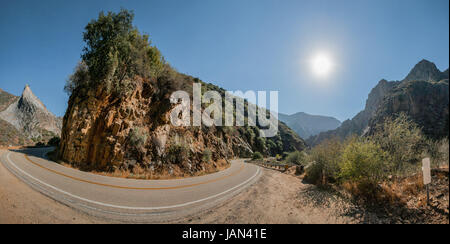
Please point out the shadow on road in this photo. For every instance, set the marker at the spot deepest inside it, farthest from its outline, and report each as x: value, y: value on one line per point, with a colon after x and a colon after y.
x: 39, y: 152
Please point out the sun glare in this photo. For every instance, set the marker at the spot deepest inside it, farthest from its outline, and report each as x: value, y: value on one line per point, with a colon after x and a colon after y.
x: 321, y: 65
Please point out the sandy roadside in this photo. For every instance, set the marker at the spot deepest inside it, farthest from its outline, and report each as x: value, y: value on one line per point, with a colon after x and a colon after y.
x: 20, y: 204
x: 280, y: 198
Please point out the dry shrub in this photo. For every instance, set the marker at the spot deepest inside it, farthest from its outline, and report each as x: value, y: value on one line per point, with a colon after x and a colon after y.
x: 325, y: 159
x: 403, y: 140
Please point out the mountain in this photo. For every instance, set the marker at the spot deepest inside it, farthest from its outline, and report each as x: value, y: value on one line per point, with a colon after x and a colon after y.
x: 306, y: 125
x: 29, y: 115
x: 9, y: 135
x: 422, y: 94
x: 425, y: 71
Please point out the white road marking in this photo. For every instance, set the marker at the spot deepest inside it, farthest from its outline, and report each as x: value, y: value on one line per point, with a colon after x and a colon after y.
x: 127, y: 207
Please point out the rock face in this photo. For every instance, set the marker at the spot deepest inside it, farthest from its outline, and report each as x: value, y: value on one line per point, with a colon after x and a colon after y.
x: 423, y: 95
x: 306, y: 125
x: 102, y: 131
x: 30, y: 116
x: 426, y: 71
x: 9, y: 135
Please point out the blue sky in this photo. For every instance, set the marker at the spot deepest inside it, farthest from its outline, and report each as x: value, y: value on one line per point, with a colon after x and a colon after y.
x: 238, y: 45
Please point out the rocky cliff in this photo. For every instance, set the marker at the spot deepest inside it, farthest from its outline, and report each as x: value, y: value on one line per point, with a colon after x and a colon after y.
x: 423, y: 95
x: 30, y: 116
x: 118, y: 116
x: 105, y: 132
x: 306, y: 125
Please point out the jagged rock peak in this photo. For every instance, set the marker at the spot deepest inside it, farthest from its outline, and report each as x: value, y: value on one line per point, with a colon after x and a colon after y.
x: 30, y: 116
x: 424, y: 71
x: 31, y: 99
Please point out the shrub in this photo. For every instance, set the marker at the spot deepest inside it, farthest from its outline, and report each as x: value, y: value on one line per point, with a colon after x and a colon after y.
x: 363, y: 162
x: 178, y: 153
x: 438, y: 151
x: 314, y: 173
x: 206, y: 155
x: 54, y: 141
x: 325, y: 162
x: 296, y: 157
x: 80, y: 77
x: 402, y: 140
x: 138, y: 137
x: 257, y: 156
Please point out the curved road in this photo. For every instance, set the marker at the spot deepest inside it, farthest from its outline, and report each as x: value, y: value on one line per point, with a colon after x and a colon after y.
x: 128, y: 200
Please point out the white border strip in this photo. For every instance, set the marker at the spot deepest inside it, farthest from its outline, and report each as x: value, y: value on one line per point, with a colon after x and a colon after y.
x: 127, y: 207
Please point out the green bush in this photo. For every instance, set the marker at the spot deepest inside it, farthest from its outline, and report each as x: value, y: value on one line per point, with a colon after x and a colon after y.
x: 257, y: 156
x: 364, y: 162
x: 296, y: 157
x: 80, y: 77
x: 138, y: 137
x: 178, y: 153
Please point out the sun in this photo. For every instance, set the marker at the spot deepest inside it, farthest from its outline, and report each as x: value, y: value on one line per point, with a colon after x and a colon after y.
x: 321, y: 65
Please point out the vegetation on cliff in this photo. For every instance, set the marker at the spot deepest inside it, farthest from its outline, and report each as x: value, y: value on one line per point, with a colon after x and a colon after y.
x: 118, y: 117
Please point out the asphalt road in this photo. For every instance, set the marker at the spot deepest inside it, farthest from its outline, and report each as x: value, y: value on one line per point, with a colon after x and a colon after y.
x: 128, y: 200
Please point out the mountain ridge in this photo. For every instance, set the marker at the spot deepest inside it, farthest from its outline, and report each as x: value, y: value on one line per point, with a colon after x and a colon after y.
x: 393, y: 95
x: 306, y: 125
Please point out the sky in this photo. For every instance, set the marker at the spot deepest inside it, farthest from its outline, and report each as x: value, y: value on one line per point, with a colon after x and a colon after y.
x: 259, y: 45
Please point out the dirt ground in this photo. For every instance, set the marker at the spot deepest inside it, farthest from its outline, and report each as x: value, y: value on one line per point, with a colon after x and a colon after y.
x: 19, y: 204
x: 276, y: 198
x: 280, y: 198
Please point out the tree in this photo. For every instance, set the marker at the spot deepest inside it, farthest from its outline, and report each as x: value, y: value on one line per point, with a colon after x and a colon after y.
x: 115, y: 51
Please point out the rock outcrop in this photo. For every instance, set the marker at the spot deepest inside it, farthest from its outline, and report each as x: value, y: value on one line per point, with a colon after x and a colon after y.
x: 422, y: 95
x: 104, y: 132
x: 30, y: 116
x: 306, y: 125
x: 118, y: 116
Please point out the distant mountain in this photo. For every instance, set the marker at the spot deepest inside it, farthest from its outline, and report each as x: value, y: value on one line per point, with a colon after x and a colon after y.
x: 6, y: 99
x: 9, y: 135
x: 423, y: 95
x: 28, y: 115
x: 306, y: 125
